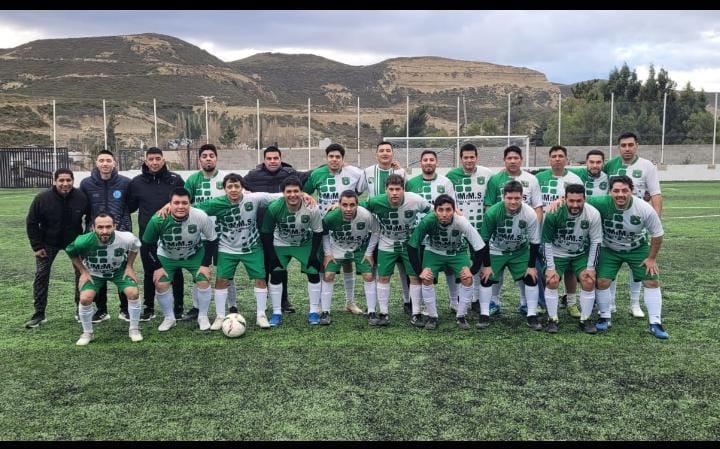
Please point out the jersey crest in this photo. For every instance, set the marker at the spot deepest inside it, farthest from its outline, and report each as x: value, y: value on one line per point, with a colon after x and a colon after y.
x: 584, y: 224
x: 522, y: 224
x: 408, y: 214
x: 192, y: 229
x: 360, y: 226
x: 525, y: 183
x: 219, y: 185
x: 634, y: 219
x: 118, y: 252
x: 305, y: 219
x: 249, y: 206
x: 481, y: 180
x: 345, y: 180
x: 637, y: 173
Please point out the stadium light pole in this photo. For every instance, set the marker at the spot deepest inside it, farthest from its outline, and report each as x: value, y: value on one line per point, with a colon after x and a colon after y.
x: 309, y: 137
x: 207, y: 120
x: 662, y: 141
x: 257, y: 110
x: 508, y: 142
x: 358, y: 129
x: 155, y: 117
x: 55, y: 137
x: 559, y: 115
x: 714, y: 131
x: 407, y: 131
x: 612, y: 115
x: 105, y: 124
x: 457, y: 148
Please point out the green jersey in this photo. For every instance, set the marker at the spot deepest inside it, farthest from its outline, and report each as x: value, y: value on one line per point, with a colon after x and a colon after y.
x: 624, y: 230
x: 594, y: 185
x: 446, y: 240
x: 566, y: 235
x: 643, y: 173
x: 291, y: 228
x: 470, y: 189
x: 553, y: 187
x: 202, y: 189
x: 179, y: 240
x: 342, y: 238
x: 330, y: 185
x: 531, y: 188
x: 375, y: 177
x: 104, y: 261
x: 396, y: 224
x: 509, y: 233
x: 430, y: 189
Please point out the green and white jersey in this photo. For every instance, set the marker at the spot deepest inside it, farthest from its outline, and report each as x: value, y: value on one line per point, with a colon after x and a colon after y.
x: 396, y: 224
x: 470, y: 189
x: 553, y: 187
x: 375, y: 178
x: 531, y: 188
x: 624, y: 230
x: 237, y: 222
x: 430, y: 189
x: 330, y: 185
x: 509, y: 233
x: 179, y: 240
x: 202, y: 189
x: 642, y: 172
x: 104, y: 261
x: 446, y: 240
x: 342, y: 238
x: 571, y: 235
x: 594, y: 186
x: 291, y: 228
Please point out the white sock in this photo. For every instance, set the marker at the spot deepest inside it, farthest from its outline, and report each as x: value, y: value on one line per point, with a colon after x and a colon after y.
x: 603, y: 300
x: 587, y: 300
x: 551, y: 301
x: 416, y: 295
x: 276, y: 298
x: 453, y: 289
x: 428, y: 294
x: 466, y: 294
x: 653, y: 302
x: 404, y: 283
x: 231, y: 294
x: 85, y: 313
x: 635, y: 293
x: 485, y: 298
x: 613, y: 288
x: 532, y: 298
x: 166, y: 302
x: 496, y: 292
x: 326, y: 295
x: 134, y: 313
x: 221, y: 296
x: 314, y: 291
x: 383, y: 293
x: 195, y: 296
x: 349, y: 281
x: 204, y: 297
x: 370, y: 295
x: 571, y: 298
x: 476, y: 288
x: 523, y: 298
x: 261, y: 295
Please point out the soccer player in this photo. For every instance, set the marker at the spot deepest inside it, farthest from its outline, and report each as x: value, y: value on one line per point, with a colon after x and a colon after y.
x: 349, y: 234
x: 512, y: 229
x: 625, y: 220
x: 445, y: 249
x: 396, y: 213
x: 329, y: 180
x: 470, y: 184
x: 592, y: 175
x: 572, y: 235
x: 102, y: 255
x: 292, y: 230
x: 177, y: 239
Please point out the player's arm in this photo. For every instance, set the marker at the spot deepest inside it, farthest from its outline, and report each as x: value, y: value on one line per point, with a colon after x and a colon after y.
x: 534, y: 240
x: 133, y: 202
x: 654, y: 227
x: 266, y: 237
x: 129, y: 267
x: 74, y: 250
x: 32, y: 225
x: 653, y: 188
x: 487, y: 229
x: 413, y: 248
x: 481, y: 251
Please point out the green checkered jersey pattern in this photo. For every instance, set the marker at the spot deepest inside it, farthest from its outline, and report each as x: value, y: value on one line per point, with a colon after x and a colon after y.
x: 375, y: 177
x: 345, y: 237
x: 330, y: 185
x: 446, y: 240
x: 430, y: 189
x: 509, y: 233
x: 624, y: 230
x: 396, y: 224
x: 594, y: 185
x: 291, y: 228
x: 531, y: 188
x: 178, y: 240
x: 470, y: 189
x: 571, y: 235
x: 202, y: 189
x: 642, y: 172
x: 553, y: 187
x: 104, y: 261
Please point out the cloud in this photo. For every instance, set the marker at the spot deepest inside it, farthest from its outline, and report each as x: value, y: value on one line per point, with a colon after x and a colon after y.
x: 12, y: 35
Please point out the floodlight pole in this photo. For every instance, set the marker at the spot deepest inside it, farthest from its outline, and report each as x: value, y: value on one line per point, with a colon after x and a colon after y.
x: 612, y: 115
x: 662, y: 141
x: 714, y: 130
x: 257, y: 110
x: 508, y: 120
x: 457, y: 147
x: 155, y: 117
x: 105, y: 124
x: 207, y: 120
x: 55, y: 138
x: 559, y: 116
x: 309, y: 137
x: 358, y: 131
x: 407, y: 131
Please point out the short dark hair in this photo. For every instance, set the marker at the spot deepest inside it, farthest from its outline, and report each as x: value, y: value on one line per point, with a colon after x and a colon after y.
x: 272, y: 149
x: 63, y: 171
x: 468, y: 147
x: 627, y: 136
x: 557, y: 147
x: 335, y: 147
x: 595, y: 153
x: 103, y: 215
x: 575, y: 188
x: 422, y: 155
x: 154, y: 150
x: 444, y: 199
x: 207, y: 146
x: 395, y: 179
x: 290, y: 181
x: 108, y: 152
x: 350, y: 194
x: 179, y: 191
x: 512, y: 186
x: 622, y: 179
x: 512, y: 149
x: 384, y: 142
x: 233, y: 177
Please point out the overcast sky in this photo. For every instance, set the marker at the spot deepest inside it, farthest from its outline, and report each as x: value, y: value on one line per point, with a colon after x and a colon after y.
x: 567, y: 46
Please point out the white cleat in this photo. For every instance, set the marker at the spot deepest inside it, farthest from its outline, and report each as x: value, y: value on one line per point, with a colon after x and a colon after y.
x: 135, y: 335
x: 85, y: 339
x: 262, y: 322
x: 204, y: 323
x: 217, y: 324
x: 166, y: 324
x: 351, y: 307
x: 636, y: 311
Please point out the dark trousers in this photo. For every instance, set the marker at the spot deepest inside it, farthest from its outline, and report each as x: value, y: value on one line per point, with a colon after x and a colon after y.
x: 101, y: 300
x: 42, y: 279
x: 178, y: 284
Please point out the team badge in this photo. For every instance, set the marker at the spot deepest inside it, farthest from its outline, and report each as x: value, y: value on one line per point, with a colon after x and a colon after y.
x: 117, y: 194
x: 345, y: 180
x: 371, y: 180
x: 481, y: 180
x: 409, y: 214
x: 441, y: 189
x: 192, y: 229
x: 584, y: 224
x: 525, y: 183
x: 635, y: 220
x: 248, y: 206
x: 360, y: 226
x: 218, y: 185
x: 305, y: 219
x: 118, y: 252
x: 522, y: 224
x: 603, y: 185
x: 637, y: 173
x: 455, y: 233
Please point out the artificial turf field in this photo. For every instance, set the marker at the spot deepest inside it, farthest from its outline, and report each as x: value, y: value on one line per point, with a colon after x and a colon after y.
x: 348, y: 381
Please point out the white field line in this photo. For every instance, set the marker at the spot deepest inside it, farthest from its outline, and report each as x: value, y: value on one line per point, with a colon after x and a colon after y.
x: 694, y: 216
x: 692, y: 207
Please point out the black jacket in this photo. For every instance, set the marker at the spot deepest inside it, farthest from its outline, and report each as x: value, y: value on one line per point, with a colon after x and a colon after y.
x: 108, y: 196
x: 260, y: 179
x: 151, y: 191
x: 56, y: 220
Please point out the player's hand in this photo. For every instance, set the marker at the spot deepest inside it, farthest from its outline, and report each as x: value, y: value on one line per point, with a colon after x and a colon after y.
x: 651, y: 267
x: 333, y: 206
x: 163, y: 211
x: 589, y: 275
x: 395, y: 165
x: 84, y: 278
x: 309, y: 200
x: 552, y: 207
x: 157, y: 274
x: 551, y: 276
x: 370, y: 260
x: 486, y: 273
x: 532, y: 272
x: 41, y: 253
x: 130, y: 273
x: 458, y: 212
x: 327, y: 260
x: 205, y: 271
x: 465, y: 274
x: 427, y: 275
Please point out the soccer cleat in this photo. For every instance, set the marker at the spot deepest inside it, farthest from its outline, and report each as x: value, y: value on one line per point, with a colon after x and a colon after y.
x: 475, y: 307
x: 553, y: 326
x: 658, y: 331
x: 573, y: 310
x: 432, y: 323
x: 372, y: 319
x: 407, y: 308
x: 123, y: 316
x: 533, y: 323
x: 85, y: 339
x: 313, y: 318
x: 135, y: 335
x: 190, y: 315
x: 147, y: 315
x: 636, y: 311
x: 287, y: 307
x: 418, y: 320
x: 99, y: 317
x: 35, y: 320
x: 462, y: 323
x: 483, y: 322
x: 588, y: 327
x: 233, y: 309
x: 217, y: 324
x: 603, y: 324
x: 167, y: 324
x: 204, y: 323
x: 351, y: 307
x: 383, y: 319
x: 275, y: 319
x: 325, y: 318
x: 262, y: 322
x: 494, y: 308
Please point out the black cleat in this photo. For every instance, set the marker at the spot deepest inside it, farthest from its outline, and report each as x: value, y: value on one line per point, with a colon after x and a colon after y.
x: 99, y: 317
x: 483, y: 322
x: 475, y: 307
x: 383, y: 319
x: 233, y: 309
x: 147, y: 315
x: 563, y: 302
x: 407, y: 308
x: 35, y: 320
x: 287, y: 307
x: 191, y: 315
x: 553, y: 326
x: 372, y: 319
x: 431, y: 324
x: 587, y: 326
x: 463, y: 323
x: 325, y: 318
x: 533, y: 323
x: 418, y: 320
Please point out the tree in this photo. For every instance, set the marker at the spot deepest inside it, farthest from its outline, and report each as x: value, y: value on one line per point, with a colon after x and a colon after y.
x: 228, y: 136
x: 111, y: 137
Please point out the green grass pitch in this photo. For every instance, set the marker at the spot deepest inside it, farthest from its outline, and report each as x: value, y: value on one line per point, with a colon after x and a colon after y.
x: 349, y: 381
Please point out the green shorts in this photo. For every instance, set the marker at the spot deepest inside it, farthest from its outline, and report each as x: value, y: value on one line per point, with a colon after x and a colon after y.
x: 121, y: 282
x: 610, y: 261
x: 361, y: 265
x: 439, y: 263
x: 192, y: 264
x: 386, y: 262
x: 576, y: 264
x: 299, y: 253
x: 516, y: 262
x: 254, y: 263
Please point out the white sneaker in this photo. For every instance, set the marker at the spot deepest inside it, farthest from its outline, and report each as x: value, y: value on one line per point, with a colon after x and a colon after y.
x: 217, y: 324
x: 204, y: 323
x: 166, y: 324
x: 262, y: 322
x: 85, y: 339
x: 636, y: 311
x: 135, y: 335
x: 351, y: 307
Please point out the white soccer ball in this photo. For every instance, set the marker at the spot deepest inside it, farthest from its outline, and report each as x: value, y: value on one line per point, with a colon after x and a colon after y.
x: 234, y: 325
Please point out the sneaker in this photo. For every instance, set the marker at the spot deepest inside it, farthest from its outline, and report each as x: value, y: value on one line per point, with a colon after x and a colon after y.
x: 494, y: 308
x: 351, y: 307
x: 522, y: 310
x: 147, y: 315
x: 658, y: 331
x: 553, y: 326
x: 636, y: 311
x: 573, y: 310
x: 204, y: 323
x: 603, y: 324
x: 533, y: 323
x: 287, y: 307
x: 483, y: 322
x: 217, y: 324
x: 123, y: 316
x: 373, y: 319
x: 383, y: 319
x: 313, y: 318
x: 325, y: 318
x: 99, y: 317
x: 233, y: 309
x: 262, y: 322
x: 563, y: 302
x: 407, y: 308
x: 190, y: 315
x: 275, y: 319
x: 418, y: 320
x: 475, y: 307
x: 588, y: 327
x: 35, y: 320
x: 167, y: 324
x: 135, y: 335
x: 432, y: 323
x: 462, y: 323
x: 85, y: 339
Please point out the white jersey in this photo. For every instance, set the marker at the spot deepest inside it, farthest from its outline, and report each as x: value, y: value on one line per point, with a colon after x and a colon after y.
x: 446, y: 240
x: 375, y: 178
x: 568, y: 235
x: 343, y: 238
x: 178, y: 240
x: 531, y: 188
x: 509, y: 233
x: 104, y: 261
x: 396, y: 224
x: 642, y: 172
x: 553, y: 187
x: 330, y: 185
x: 624, y: 230
x: 470, y: 192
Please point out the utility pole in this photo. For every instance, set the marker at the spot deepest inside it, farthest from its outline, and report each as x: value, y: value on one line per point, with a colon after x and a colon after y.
x: 207, y: 121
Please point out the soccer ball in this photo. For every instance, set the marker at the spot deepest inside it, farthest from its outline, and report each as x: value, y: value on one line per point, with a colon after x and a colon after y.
x: 234, y: 325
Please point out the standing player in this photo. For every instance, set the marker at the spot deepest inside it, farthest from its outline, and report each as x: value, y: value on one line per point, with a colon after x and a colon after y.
x: 592, y: 175
x: 102, y: 255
